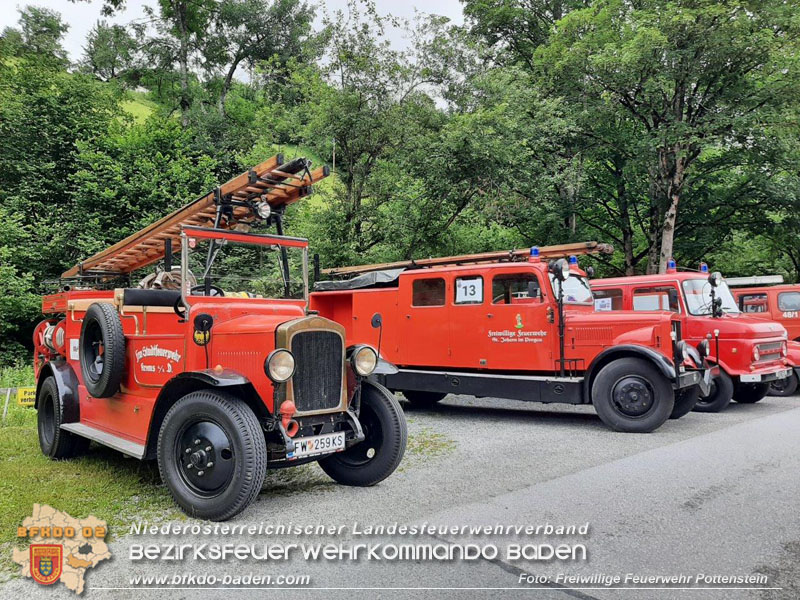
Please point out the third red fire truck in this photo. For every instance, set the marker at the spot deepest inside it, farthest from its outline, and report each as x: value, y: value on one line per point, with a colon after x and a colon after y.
x: 751, y: 353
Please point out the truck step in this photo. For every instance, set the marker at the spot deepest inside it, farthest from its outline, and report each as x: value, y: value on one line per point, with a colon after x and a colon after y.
x: 106, y: 439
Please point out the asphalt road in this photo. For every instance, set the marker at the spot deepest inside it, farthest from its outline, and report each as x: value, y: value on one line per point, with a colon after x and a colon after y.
x: 712, y: 494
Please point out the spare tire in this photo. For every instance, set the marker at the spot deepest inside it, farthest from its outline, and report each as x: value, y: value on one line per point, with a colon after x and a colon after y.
x: 102, y: 350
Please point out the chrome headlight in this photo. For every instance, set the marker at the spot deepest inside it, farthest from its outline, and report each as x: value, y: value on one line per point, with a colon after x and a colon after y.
x: 263, y: 210
x: 784, y: 348
x: 704, y: 348
x: 756, y: 354
x: 680, y: 352
x: 279, y: 365
x: 364, y: 360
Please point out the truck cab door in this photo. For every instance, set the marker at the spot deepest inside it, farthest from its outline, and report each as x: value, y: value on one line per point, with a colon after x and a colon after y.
x: 519, y: 334
x: 468, y: 321
x: 424, y: 324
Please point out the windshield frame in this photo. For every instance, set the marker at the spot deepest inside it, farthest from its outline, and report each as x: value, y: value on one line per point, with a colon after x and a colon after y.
x: 585, y: 280
x: 723, y: 288
x: 237, y: 237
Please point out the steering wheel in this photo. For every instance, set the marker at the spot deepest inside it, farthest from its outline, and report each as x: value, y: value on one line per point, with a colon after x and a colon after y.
x: 200, y: 290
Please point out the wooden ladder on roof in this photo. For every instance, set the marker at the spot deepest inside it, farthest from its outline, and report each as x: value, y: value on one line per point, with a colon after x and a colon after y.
x: 274, y: 181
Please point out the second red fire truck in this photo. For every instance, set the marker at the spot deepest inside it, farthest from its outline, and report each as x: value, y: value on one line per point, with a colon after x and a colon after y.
x: 499, y: 325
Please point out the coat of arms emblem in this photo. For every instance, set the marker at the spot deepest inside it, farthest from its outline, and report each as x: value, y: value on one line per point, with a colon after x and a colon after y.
x: 46, y: 562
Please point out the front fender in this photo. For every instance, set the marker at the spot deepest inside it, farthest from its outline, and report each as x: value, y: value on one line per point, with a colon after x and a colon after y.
x: 661, y: 362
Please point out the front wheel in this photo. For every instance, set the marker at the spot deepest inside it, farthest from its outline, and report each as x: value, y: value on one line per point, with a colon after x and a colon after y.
x: 750, y: 393
x: 385, y: 437
x: 212, y: 455
x: 784, y: 387
x: 720, y: 395
x: 685, y: 401
x: 631, y: 395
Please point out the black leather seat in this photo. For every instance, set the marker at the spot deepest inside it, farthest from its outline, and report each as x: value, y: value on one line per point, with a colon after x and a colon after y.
x: 137, y: 297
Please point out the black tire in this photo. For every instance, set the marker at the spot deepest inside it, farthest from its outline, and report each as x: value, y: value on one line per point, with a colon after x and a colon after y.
x: 632, y: 395
x: 784, y: 387
x: 385, y: 434
x: 55, y: 442
x: 685, y: 401
x: 750, y: 393
x: 419, y: 399
x: 720, y: 395
x: 102, y: 350
x: 221, y: 431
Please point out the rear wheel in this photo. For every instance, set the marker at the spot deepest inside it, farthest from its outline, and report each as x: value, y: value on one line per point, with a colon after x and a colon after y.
x: 385, y: 437
x: 784, y: 387
x: 720, y: 395
x: 419, y: 399
x: 631, y: 395
x: 212, y: 455
x: 54, y: 441
x: 750, y: 393
x: 685, y: 401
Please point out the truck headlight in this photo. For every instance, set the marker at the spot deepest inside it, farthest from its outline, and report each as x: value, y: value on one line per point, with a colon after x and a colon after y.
x: 680, y: 352
x: 703, y: 348
x: 756, y: 354
x: 263, y: 210
x: 364, y: 360
x: 784, y: 348
x: 279, y: 365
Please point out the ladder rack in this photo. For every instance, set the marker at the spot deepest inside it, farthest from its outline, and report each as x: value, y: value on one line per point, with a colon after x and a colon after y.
x: 272, y: 181
x: 580, y: 248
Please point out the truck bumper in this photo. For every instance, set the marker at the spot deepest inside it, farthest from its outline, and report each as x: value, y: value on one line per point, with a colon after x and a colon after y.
x: 765, y: 377
x: 688, y: 379
x: 700, y: 378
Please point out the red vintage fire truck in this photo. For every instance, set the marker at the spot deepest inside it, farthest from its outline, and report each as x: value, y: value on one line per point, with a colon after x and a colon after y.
x: 780, y: 303
x: 498, y: 325
x: 217, y: 368
x: 751, y: 353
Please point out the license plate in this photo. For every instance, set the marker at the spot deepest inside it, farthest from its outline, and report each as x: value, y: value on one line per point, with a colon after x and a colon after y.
x: 317, y: 444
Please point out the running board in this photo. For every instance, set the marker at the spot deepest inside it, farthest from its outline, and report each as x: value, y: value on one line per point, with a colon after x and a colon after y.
x: 106, y: 439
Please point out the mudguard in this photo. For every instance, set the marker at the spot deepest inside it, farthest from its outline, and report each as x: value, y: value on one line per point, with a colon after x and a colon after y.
x: 661, y: 362
x: 67, y: 384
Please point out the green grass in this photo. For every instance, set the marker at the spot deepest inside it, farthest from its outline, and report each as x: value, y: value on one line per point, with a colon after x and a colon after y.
x: 138, y: 106
x: 102, y: 483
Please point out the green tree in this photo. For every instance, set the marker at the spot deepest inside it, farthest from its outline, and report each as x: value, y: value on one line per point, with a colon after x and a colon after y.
x: 695, y: 75
x: 111, y: 51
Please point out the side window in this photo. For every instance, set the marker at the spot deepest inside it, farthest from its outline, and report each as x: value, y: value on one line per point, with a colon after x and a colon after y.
x: 656, y: 298
x: 789, y: 301
x: 516, y: 288
x: 607, y: 299
x: 428, y: 292
x: 753, y: 303
x: 469, y: 290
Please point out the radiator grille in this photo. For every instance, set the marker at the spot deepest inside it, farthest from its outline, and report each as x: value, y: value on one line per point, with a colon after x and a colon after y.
x: 770, y: 351
x: 317, y: 380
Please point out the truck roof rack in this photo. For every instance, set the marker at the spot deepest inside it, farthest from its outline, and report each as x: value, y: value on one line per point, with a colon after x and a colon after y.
x: 755, y: 280
x: 474, y: 259
x: 273, y: 181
